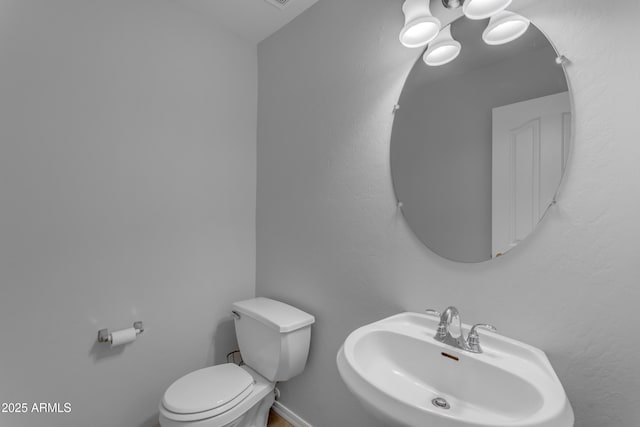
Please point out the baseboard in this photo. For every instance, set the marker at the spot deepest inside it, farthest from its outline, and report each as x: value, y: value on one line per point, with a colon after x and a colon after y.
x: 289, y: 415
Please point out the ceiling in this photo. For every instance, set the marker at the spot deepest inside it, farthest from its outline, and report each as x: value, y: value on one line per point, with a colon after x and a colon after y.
x: 253, y: 20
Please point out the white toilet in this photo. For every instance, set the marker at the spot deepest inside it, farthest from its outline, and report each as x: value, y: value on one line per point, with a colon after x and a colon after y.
x: 274, y: 343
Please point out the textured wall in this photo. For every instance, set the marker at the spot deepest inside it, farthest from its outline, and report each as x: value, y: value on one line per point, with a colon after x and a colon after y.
x: 329, y: 239
x: 127, y: 191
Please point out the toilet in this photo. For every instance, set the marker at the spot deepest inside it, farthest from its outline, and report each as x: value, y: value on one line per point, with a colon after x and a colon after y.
x: 274, y: 344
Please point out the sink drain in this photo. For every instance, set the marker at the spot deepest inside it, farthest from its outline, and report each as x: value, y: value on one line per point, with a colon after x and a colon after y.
x: 439, y: 402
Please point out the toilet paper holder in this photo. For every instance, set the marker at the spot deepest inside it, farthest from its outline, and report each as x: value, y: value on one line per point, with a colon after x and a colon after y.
x: 105, y: 336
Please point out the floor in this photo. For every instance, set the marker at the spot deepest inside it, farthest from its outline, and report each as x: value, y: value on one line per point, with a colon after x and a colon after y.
x: 276, y: 420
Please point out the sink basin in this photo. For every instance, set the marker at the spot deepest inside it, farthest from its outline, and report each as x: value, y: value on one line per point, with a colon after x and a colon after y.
x: 404, y: 376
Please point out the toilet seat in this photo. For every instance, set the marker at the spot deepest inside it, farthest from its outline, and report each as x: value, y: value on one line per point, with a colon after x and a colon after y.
x: 207, y: 392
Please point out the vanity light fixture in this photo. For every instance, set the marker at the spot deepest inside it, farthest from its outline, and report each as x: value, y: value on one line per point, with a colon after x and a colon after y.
x: 505, y: 27
x: 481, y: 9
x: 443, y: 49
x: 420, y: 27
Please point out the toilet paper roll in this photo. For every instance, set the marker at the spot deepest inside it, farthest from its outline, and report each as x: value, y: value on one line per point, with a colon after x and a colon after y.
x: 123, y: 336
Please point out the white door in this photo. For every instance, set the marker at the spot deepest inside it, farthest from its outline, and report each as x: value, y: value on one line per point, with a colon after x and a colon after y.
x: 530, y: 148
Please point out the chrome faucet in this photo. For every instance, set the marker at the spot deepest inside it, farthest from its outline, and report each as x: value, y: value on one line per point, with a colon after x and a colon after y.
x: 450, y: 330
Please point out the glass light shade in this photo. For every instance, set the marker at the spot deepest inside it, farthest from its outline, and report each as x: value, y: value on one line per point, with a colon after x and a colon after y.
x: 443, y: 49
x: 505, y: 27
x: 420, y: 27
x: 482, y: 9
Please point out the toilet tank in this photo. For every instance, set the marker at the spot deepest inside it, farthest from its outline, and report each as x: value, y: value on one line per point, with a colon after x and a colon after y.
x: 273, y: 337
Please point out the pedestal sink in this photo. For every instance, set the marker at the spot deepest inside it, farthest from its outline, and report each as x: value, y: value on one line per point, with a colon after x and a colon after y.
x: 404, y: 376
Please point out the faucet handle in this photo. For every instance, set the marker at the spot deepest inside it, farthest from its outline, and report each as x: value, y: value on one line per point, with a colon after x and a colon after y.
x: 433, y: 312
x: 473, y: 340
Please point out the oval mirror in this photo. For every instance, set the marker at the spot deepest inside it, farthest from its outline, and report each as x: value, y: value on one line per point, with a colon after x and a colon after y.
x: 479, y: 145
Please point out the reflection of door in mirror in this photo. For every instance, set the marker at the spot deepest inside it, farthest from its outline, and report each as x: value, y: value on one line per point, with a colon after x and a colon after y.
x: 530, y: 148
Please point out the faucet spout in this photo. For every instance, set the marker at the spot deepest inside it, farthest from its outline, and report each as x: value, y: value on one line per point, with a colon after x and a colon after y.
x: 450, y: 328
x: 451, y: 319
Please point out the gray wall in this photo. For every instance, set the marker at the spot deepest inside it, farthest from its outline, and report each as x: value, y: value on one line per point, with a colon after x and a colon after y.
x: 441, y: 144
x: 329, y: 238
x: 127, y: 191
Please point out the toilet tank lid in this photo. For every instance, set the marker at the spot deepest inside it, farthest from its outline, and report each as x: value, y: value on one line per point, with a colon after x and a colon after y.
x: 275, y: 314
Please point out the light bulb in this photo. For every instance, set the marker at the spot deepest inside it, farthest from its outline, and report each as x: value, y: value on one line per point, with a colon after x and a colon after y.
x: 443, y: 49
x: 505, y: 27
x: 482, y: 9
x: 420, y: 27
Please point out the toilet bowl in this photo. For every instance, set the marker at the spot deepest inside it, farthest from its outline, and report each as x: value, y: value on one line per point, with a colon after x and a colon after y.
x: 274, y: 342
x: 220, y: 396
